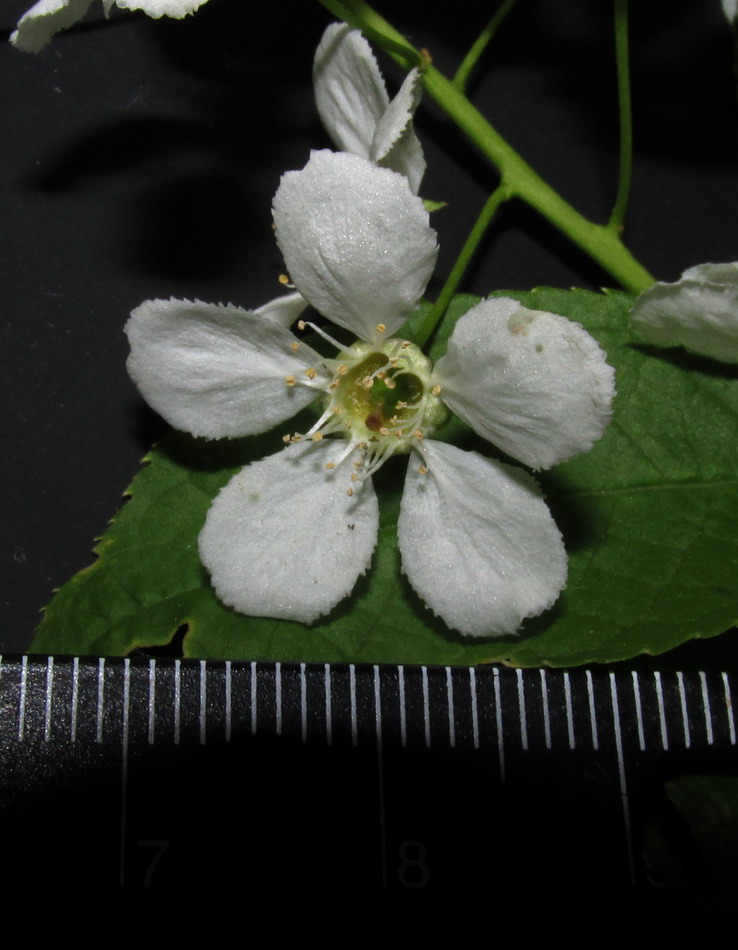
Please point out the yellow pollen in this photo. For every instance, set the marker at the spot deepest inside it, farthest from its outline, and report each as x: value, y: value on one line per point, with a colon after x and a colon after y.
x: 381, y: 328
x: 342, y: 370
x: 295, y: 346
x: 436, y: 390
x: 283, y: 279
x: 290, y: 380
x: 349, y: 492
x: 296, y: 437
x: 422, y: 470
x: 310, y: 373
x: 330, y: 465
x: 286, y: 438
x: 418, y: 434
x: 300, y: 324
x: 405, y: 345
x: 359, y: 463
x: 334, y: 385
x: 317, y: 436
x: 354, y: 477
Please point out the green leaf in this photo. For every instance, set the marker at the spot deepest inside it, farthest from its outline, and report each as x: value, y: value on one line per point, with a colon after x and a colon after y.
x: 650, y: 519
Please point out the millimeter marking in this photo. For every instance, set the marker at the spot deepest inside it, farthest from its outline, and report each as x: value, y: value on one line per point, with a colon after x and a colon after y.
x: 474, y: 706
x: 521, y: 710
x: 124, y: 771
x: 546, y: 711
x: 228, y: 701
x: 451, y: 717
x: 75, y: 699
x: 177, y: 699
x: 426, y: 706
x: 328, y: 704
x: 352, y: 699
x: 706, y: 708
x: 592, y: 712
x: 403, y: 710
x: 569, y: 709
x: 203, y: 701
x: 278, y: 696
x: 621, y: 772
x: 303, y: 703
x: 729, y: 708
x: 22, y: 699
x: 100, y: 699
x: 47, y: 703
x: 380, y: 776
x: 253, y: 698
x: 638, y: 709
x: 662, y: 711
x: 498, y: 717
x: 683, y: 704
x: 152, y: 700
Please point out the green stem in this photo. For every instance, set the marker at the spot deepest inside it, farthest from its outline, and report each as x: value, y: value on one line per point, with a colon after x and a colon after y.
x: 600, y: 243
x: 500, y: 195
x: 480, y: 45
x: 617, y: 218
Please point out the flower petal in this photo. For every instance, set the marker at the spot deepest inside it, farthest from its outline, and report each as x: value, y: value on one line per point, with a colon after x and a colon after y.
x: 284, y: 310
x: 395, y: 144
x: 44, y: 20
x: 478, y: 543
x: 217, y: 371
x: 283, y: 539
x: 356, y: 241
x: 533, y: 383
x: 700, y: 311
x: 157, y: 8
x: 349, y: 89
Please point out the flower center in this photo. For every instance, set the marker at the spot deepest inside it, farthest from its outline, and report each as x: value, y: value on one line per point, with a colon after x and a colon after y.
x: 382, y: 399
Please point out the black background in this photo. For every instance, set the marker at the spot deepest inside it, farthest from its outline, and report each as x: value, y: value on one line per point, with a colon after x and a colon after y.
x: 138, y: 159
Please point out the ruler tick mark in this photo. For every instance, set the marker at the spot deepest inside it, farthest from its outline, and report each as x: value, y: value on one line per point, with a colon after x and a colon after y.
x: 474, y: 706
x: 22, y: 699
x: 662, y: 710
x: 683, y: 706
x: 592, y: 711
x: 328, y: 704
x: 546, y: 711
x: 380, y: 776
x: 729, y: 708
x: 498, y: 717
x: 203, y: 701
x: 621, y: 772
x: 152, y: 701
x: 403, y: 709
x: 426, y: 706
x: 638, y: 709
x: 352, y: 699
x: 569, y: 710
x: 177, y: 699
x: 303, y: 702
x: 451, y: 716
x: 706, y: 708
x: 124, y: 771
x: 253, y: 698
x: 49, y: 691
x: 278, y: 696
x: 228, y: 701
x: 75, y: 700
x: 100, y: 699
x: 521, y: 710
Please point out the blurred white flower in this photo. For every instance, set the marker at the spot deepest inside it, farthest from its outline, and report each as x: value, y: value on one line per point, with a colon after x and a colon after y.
x: 48, y: 17
x: 355, y: 109
x: 699, y: 311
x: 289, y: 535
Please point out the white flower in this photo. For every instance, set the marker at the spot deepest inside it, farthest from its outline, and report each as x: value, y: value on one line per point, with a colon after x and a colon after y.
x: 355, y: 109
x: 730, y: 9
x: 289, y: 535
x: 48, y: 17
x: 699, y: 311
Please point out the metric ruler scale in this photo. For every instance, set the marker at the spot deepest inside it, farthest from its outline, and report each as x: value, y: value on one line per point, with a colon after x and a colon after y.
x: 140, y: 778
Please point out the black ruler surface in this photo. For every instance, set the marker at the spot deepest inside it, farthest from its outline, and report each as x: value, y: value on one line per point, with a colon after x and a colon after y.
x: 140, y: 779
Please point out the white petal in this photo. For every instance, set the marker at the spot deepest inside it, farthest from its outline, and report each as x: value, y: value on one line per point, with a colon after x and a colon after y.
x: 533, y: 383
x: 284, y: 540
x: 730, y: 9
x: 356, y: 241
x: 349, y: 89
x: 217, y: 371
x: 395, y: 144
x: 284, y: 310
x: 478, y: 542
x: 157, y: 8
x: 44, y: 20
x: 700, y: 311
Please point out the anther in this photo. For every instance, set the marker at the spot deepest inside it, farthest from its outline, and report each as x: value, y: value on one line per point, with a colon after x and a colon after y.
x: 436, y: 390
x: 342, y: 370
x: 390, y: 383
x: 381, y: 328
x: 290, y: 380
x: 337, y: 410
x: 383, y: 430
x: 400, y: 405
x: 354, y: 477
x: 296, y: 437
x: 330, y: 465
x: 310, y: 373
x: 418, y: 434
x: 300, y: 324
x: 349, y: 492
x: 286, y: 438
x: 404, y: 345
x: 334, y: 385
x: 422, y: 470
x: 295, y: 346
x: 317, y: 436
x: 367, y: 382
x: 284, y: 280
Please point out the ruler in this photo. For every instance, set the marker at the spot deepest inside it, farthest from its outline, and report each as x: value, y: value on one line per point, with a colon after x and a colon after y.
x: 388, y: 785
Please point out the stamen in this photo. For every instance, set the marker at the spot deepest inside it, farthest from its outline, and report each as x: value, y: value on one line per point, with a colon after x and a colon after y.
x: 285, y: 281
x: 400, y: 405
x: 436, y: 390
x: 390, y: 383
x: 306, y: 323
x: 317, y: 436
x: 330, y: 465
x: 286, y: 438
x: 419, y: 434
x: 310, y: 373
x: 381, y: 328
x: 349, y: 492
x: 422, y: 470
x: 300, y: 324
x: 342, y: 369
x: 290, y: 380
x: 296, y: 437
x: 295, y: 346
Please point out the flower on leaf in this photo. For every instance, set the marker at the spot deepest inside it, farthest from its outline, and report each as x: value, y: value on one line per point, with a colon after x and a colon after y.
x: 356, y: 110
x: 46, y: 18
x: 289, y: 535
x: 699, y: 311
